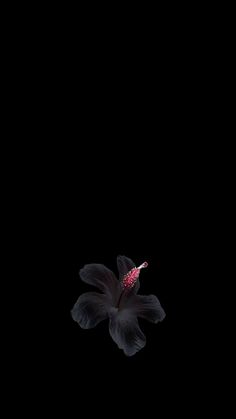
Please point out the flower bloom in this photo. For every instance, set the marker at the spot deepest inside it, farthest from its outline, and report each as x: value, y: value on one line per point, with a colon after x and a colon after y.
x: 119, y: 302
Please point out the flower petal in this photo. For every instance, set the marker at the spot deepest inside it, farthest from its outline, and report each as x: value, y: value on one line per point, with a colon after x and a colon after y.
x: 147, y: 307
x: 90, y: 309
x: 102, y: 278
x: 125, y: 265
x: 126, y: 333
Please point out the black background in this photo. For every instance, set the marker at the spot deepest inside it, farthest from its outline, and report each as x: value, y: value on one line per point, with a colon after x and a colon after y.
x: 114, y: 168
x: 112, y: 125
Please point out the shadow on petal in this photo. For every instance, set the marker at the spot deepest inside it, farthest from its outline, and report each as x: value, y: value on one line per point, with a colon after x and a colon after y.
x: 126, y: 333
x: 90, y: 309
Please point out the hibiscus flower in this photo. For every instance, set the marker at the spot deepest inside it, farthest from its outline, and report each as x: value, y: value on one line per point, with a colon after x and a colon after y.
x: 119, y: 302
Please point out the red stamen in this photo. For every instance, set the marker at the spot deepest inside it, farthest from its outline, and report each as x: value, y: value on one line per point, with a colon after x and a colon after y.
x: 131, y: 277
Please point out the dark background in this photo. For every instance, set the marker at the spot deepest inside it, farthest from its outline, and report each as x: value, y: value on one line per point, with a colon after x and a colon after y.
x: 115, y: 159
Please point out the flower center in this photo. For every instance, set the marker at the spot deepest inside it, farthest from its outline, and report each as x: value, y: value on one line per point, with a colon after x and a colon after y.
x: 129, y: 281
x: 131, y: 277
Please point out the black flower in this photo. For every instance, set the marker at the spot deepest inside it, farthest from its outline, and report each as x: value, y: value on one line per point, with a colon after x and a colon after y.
x: 119, y: 302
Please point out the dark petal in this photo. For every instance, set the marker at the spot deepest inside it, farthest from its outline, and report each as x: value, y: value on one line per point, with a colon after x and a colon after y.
x: 126, y: 333
x: 124, y: 265
x: 102, y: 278
x: 90, y: 309
x: 147, y: 307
